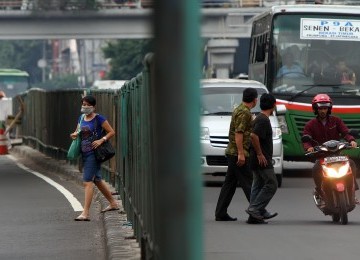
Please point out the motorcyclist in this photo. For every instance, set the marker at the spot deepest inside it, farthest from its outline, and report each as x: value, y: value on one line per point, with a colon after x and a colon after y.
x: 322, y: 128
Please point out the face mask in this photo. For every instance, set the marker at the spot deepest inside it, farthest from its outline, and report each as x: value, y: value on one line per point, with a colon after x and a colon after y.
x: 87, y: 110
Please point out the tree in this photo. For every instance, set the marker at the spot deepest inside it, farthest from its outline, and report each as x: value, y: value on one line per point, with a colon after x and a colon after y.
x: 63, y: 82
x: 126, y: 57
x: 22, y: 55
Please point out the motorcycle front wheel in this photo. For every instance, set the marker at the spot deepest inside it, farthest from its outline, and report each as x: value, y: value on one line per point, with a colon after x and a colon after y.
x: 343, y: 208
x: 336, y: 218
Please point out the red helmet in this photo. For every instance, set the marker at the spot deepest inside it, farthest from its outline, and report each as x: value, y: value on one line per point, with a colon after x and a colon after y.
x: 321, y: 100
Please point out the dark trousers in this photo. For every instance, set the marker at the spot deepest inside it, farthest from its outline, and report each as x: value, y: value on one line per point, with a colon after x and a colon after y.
x: 263, y: 189
x: 234, y: 175
x: 317, y: 174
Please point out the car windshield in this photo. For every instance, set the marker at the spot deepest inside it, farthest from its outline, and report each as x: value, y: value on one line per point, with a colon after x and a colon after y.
x: 223, y: 100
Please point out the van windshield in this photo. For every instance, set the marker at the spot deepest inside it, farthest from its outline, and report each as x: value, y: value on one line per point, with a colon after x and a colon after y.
x: 223, y: 100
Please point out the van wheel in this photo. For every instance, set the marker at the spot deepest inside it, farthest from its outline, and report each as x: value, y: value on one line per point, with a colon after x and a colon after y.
x: 279, y: 179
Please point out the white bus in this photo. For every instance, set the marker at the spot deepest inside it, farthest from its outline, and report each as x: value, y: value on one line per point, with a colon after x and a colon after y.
x: 315, y: 38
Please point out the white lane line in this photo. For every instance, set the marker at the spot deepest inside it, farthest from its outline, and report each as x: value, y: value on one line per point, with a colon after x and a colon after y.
x: 68, y: 195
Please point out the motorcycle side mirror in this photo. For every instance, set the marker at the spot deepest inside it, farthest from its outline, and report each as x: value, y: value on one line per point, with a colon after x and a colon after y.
x: 354, y: 133
x: 306, y: 138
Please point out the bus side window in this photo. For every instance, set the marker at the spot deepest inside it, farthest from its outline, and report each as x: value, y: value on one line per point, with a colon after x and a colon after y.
x: 260, y: 52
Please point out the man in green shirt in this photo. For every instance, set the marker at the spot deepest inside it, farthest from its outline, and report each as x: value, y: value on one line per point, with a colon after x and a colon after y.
x: 237, y: 153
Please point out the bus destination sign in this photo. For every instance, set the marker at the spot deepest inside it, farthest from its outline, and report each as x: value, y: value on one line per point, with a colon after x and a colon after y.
x: 329, y: 29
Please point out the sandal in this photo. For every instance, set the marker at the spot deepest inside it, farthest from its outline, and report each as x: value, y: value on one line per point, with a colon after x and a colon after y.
x: 82, y: 218
x: 109, y: 208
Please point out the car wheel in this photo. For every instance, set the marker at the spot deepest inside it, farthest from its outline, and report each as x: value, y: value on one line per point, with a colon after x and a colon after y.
x: 279, y: 179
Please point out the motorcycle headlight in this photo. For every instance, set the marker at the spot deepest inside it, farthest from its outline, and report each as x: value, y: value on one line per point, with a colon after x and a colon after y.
x: 204, y: 133
x: 336, y: 170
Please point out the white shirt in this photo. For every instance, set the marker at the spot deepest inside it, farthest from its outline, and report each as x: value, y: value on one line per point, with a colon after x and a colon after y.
x: 5, y: 108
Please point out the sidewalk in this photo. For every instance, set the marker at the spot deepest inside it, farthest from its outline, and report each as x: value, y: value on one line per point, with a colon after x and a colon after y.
x: 119, y: 235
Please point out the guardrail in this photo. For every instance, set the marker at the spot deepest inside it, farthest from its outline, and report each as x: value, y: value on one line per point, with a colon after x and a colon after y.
x: 44, y: 5
x: 11, y: 4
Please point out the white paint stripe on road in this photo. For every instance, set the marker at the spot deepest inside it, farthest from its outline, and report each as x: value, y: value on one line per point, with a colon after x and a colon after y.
x: 68, y: 195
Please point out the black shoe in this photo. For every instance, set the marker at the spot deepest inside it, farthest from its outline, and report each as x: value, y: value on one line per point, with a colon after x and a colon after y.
x: 225, y: 218
x: 268, y: 215
x: 254, y: 214
x: 252, y: 220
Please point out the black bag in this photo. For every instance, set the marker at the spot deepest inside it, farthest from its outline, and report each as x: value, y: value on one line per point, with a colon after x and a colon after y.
x: 105, y: 151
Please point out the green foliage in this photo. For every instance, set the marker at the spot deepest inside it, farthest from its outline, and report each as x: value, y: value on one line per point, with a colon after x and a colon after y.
x: 66, y: 82
x: 22, y: 55
x: 126, y: 57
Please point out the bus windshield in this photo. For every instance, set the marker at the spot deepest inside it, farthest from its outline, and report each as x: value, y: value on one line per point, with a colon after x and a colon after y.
x: 13, y: 84
x: 312, y: 53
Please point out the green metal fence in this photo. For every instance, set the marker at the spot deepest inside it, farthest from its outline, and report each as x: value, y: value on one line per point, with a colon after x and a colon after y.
x: 136, y: 174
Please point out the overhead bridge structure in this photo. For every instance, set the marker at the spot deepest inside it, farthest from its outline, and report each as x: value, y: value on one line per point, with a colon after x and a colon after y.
x: 116, y: 23
x: 221, y: 26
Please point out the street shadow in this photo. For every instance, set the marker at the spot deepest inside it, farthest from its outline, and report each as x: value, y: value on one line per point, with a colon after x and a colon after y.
x: 297, y: 222
x: 297, y: 173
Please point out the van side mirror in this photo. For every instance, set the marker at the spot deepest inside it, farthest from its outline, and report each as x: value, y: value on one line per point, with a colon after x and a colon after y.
x: 280, y: 109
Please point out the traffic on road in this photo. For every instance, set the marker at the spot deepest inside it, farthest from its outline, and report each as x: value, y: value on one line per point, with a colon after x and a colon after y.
x: 299, y: 232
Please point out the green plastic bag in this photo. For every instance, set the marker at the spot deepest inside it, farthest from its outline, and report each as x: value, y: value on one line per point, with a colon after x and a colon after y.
x: 75, y: 147
x: 74, y: 150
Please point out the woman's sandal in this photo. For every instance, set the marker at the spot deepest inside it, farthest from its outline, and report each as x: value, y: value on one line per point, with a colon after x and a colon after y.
x: 82, y: 218
x: 109, y: 208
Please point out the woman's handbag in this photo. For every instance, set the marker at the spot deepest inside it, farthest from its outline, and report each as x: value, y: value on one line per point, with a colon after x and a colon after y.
x: 75, y: 147
x: 105, y: 151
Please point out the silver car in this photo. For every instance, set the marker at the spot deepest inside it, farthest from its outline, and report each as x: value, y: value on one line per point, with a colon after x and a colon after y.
x: 219, y: 98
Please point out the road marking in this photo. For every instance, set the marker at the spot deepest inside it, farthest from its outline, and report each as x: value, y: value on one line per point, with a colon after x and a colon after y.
x: 68, y: 195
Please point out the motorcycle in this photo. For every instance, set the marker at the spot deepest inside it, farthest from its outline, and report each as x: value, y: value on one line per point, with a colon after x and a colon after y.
x: 338, y: 185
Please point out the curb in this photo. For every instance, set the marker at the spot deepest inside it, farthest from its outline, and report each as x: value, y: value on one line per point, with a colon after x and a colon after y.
x: 119, y: 235
x: 120, y: 240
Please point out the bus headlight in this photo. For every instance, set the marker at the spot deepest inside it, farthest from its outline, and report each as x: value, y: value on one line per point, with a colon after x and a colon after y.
x: 204, y: 133
x: 283, y: 125
x: 276, y: 131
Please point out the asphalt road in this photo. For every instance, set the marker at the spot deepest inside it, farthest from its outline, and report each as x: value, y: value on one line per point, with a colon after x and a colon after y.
x: 37, y: 219
x: 299, y: 232
x: 37, y: 222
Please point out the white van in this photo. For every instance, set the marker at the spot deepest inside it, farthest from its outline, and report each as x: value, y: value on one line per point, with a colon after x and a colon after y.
x: 219, y: 98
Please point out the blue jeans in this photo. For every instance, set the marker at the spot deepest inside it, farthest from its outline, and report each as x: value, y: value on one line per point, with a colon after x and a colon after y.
x: 92, y: 168
x: 263, y: 189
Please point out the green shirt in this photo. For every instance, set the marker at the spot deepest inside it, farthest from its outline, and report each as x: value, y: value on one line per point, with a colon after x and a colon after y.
x: 240, y: 123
